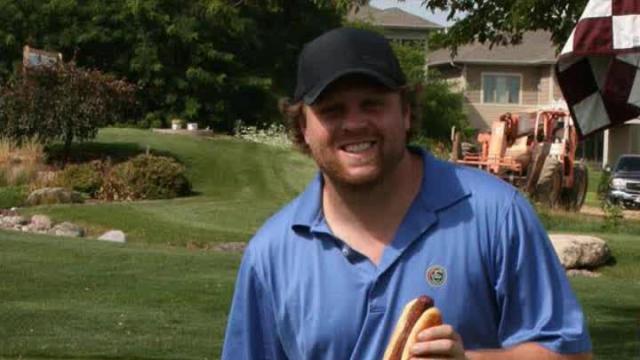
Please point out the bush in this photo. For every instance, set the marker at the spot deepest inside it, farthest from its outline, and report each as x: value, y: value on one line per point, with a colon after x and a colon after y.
x: 12, y: 196
x: 62, y: 102
x: 86, y: 178
x: 145, y: 177
x: 441, y: 108
x: 274, y: 134
x: 613, y: 215
x: 20, y: 163
x: 51, y: 196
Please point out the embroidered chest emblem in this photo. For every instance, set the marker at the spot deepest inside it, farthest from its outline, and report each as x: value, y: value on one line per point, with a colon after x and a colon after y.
x: 436, y: 275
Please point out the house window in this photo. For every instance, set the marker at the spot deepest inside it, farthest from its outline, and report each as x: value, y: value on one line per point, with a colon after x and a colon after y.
x: 501, y: 88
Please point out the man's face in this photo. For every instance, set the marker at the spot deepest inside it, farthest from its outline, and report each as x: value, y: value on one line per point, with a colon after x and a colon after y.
x: 356, y: 131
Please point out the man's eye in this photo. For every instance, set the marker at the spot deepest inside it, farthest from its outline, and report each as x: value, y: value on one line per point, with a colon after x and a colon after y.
x: 330, y: 110
x: 373, y: 103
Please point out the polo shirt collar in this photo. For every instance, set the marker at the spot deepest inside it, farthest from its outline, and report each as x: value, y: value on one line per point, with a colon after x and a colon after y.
x: 308, y: 211
x: 438, y: 191
x: 440, y: 185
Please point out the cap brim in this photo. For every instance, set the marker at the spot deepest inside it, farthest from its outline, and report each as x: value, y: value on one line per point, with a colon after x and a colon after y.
x: 315, y: 92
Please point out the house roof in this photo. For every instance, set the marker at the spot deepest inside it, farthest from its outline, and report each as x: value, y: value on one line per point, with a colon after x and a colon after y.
x: 536, y: 48
x: 391, y: 18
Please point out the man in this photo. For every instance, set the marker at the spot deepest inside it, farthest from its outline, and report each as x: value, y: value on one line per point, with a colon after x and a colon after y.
x: 382, y: 223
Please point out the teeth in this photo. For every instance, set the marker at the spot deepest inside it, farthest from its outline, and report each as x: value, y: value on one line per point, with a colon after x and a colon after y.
x: 356, y: 148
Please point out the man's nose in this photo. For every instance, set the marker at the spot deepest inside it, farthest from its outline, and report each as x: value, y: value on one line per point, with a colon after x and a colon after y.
x: 355, y: 119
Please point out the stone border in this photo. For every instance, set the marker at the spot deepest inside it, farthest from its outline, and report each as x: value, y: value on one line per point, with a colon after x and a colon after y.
x: 42, y: 224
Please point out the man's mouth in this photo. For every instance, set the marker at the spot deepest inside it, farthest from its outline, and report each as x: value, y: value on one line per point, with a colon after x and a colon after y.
x: 358, y: 147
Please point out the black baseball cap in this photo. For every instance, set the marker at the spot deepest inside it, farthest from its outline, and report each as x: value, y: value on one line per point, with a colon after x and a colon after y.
x: 345, y: 51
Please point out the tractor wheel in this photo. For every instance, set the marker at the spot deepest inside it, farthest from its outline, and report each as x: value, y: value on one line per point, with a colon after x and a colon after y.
x: 549, y: 187
x: 573, y: 199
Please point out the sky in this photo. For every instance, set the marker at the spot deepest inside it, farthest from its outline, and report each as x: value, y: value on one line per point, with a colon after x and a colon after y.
x: 414, y: 7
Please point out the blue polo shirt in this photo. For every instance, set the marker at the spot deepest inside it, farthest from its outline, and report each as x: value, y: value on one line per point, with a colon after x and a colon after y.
x: 469, y: 241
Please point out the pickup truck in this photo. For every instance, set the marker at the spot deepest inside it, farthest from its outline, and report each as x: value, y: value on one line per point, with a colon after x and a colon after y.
x: 624, y: 186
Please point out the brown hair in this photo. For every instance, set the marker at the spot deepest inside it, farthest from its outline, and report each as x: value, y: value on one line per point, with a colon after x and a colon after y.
x: 293, y: 114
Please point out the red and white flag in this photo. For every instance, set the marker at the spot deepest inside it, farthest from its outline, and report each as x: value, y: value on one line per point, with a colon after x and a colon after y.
x: 598, y: 69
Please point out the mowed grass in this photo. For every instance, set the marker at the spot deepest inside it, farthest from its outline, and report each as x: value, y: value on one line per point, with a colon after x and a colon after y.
x: 612, y: 301
x: 83, y: 299
x: 155, y: 299
x: 237, y: 185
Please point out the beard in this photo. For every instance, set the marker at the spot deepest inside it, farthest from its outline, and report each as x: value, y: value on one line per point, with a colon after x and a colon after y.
x: 357, y: 174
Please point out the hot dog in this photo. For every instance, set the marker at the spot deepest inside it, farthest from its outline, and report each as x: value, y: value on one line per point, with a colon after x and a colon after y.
x: 417, y: 315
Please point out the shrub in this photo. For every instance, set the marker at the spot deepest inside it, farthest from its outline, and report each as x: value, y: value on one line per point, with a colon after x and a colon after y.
x: 438, y: 148
x: 273, y: 134
x: 613, y: 215
x: 51, y: 196
x: 12, y: 196
x: 441, y: 108
x: 145, y: 177
x: 86, y: 178
x: 20, y: 163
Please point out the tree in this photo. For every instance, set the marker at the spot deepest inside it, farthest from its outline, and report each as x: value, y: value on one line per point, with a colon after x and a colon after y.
x: 441, y: 108
x: 504, y: 22
x: 210, y: 61
x: 62, y: 102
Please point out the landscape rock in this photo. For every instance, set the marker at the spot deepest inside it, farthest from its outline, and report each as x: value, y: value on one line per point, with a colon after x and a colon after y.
x: 580, y: 251
x: 12, y: 221
x: 583, y: 272
x: 57, y: 195
x: 40, y: 223
x: 67, y: 229
x: 114, y: 235
x: 231, y: 247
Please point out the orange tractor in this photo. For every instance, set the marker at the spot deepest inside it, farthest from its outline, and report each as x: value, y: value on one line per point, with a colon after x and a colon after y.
x: 535, y: 151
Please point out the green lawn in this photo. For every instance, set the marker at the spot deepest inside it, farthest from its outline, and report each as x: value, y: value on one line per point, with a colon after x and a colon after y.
x: 154, y: 299
x: 611, y: 302
x: 82, y: 299
x: 238, y: 185
x: 595, y: 172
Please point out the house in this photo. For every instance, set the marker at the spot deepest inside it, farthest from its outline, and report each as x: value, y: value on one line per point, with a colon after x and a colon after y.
x: 620, y: 140
x: 518, y: 78
x: 396, y: 23
x: 501, y: 79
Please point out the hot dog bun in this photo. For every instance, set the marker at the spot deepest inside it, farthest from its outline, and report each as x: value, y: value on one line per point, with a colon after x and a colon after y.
x: 416, y: 316
x: 429, y: 318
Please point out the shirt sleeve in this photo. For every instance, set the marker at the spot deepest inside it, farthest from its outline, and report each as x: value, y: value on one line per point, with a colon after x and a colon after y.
x: 251, y: 331
x: 535, y: 299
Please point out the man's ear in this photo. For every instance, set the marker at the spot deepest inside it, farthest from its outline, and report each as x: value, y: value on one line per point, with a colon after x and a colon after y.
x: 406, y: 117
x: 302, y: 122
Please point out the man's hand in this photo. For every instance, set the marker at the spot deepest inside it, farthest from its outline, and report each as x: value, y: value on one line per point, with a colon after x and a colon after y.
x: 439, y: 342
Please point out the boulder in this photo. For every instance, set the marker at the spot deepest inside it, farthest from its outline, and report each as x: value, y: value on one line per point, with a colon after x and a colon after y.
x: 40, y: 223
x: 57, y: 195
x: 580, y: 251
x: 10, y: 222
x: 67, y: 229
x: 114, y: 235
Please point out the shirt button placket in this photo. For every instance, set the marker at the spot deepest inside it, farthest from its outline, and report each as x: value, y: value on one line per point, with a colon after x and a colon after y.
x: 377, y: 298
